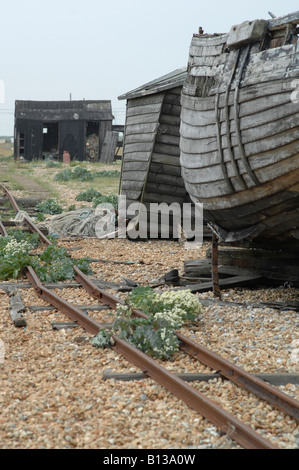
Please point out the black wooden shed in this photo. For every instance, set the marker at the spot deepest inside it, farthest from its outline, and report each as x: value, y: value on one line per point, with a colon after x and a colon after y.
x: 45, y: 129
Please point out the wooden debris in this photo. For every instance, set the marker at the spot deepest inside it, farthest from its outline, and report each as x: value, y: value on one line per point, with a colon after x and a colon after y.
x: 290, y: 305
x: 235, y: 281
x: 273, y: 379
x: 37, y: 308
x: 64, y: 325
x: 69, y: 325
x: 101, y: 283
x: 16, y: 308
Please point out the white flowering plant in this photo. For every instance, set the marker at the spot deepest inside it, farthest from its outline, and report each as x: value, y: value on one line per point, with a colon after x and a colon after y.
x: 154, y: 335
x: 53, y: 265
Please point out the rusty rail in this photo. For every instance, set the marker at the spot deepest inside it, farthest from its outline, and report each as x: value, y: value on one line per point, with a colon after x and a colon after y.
x: 226, y: 368
x: 27, y: 220
x: 3, y: 229
x: 243, y: 434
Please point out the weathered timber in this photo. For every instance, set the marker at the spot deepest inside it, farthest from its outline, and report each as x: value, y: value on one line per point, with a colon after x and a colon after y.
x: 239, y: 132
x: 101, y: 283
x: 92, y: 308
x: 16, y: 308
x: 203, y: 267
x: 228, y: 283
x: 273, y: 379
x: 273, y: 265
x: 282, y: 306
x: 23, y: 202
x: 154, y: 133
x: 282, y: 21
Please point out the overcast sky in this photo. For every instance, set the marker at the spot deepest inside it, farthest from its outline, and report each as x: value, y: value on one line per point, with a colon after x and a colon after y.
x: 97, y: 49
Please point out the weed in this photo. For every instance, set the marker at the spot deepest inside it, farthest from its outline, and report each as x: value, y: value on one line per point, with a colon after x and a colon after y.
x: 154, y: 335
x: 50, y: 206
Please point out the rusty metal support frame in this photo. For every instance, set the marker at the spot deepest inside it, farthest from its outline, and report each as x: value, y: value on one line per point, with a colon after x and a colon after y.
x: 215, y: 270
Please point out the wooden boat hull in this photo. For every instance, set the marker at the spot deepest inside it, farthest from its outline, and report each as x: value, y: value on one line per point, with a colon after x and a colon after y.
x: 239, y: 138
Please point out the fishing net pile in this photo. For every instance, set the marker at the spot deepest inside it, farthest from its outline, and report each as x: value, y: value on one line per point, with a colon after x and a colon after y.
x: 81, y: 223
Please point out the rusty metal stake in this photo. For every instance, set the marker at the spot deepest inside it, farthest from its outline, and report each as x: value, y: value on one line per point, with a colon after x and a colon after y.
x: 215, y: 272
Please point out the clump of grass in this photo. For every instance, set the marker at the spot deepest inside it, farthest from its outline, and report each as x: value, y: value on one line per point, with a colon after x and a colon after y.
x: 78, y: 173
x: 112, y: 199
x: 88, y: 195
x: 52, y: 164
x: 50, y: 206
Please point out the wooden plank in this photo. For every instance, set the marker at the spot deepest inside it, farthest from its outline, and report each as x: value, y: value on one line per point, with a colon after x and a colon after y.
x: 138, y: 148
x: 157, y: 197
x: 202, y: 61
x: 132, y: 196
x: 213, y: 200
x: 258, y: 108
x: 164, y: 189
x: 273, y: 140
x: 247, y: 94
x: 169, y: 119
x: 146, y: 101
x: 235, y: 281
x: 141, y: 128
x: 167, y: 149
x: 272, y: 204
x: 141, y: 119
x: 172, y: 99
x: 140, y: 110
x: 133, y: 175
x: 92, y: 308
x: 213, y: 40
x: 109, y: 147
x: 132, y: 185
x: 200, y: 161
x: 16, y: 308
x: 266, y: 173
x: 273, y: 379
x: 164, y: 178
x: 282, y: 21
x: 136, y: 156
x: 138, y: 138
x: 134, y: 166
x: 165, y: 169
x: 169, y: 130
x: 171, y: 109
x: 168, y: 139
x: 166, y: 159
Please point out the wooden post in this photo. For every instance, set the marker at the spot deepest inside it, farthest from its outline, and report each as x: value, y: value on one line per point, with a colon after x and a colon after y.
x: 215, y: 273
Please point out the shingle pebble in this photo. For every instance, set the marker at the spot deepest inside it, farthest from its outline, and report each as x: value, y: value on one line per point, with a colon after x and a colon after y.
x: 53, y: 394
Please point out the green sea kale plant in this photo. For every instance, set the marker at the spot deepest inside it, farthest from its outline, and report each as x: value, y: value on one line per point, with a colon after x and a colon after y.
x: 155, y: 335
x: 53, y: 265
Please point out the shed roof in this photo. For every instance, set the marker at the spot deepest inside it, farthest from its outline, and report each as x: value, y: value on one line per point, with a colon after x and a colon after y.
x: 58, y: 110
x: 170, y: 80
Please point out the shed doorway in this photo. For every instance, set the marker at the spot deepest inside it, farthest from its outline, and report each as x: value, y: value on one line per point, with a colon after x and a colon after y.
x: 50, y: 147
x: 92, y: 141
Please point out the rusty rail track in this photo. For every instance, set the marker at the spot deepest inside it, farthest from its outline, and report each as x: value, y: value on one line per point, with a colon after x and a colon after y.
x: 237, y: 430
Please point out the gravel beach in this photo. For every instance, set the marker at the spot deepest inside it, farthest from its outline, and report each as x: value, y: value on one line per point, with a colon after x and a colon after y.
x: 53, y: 394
